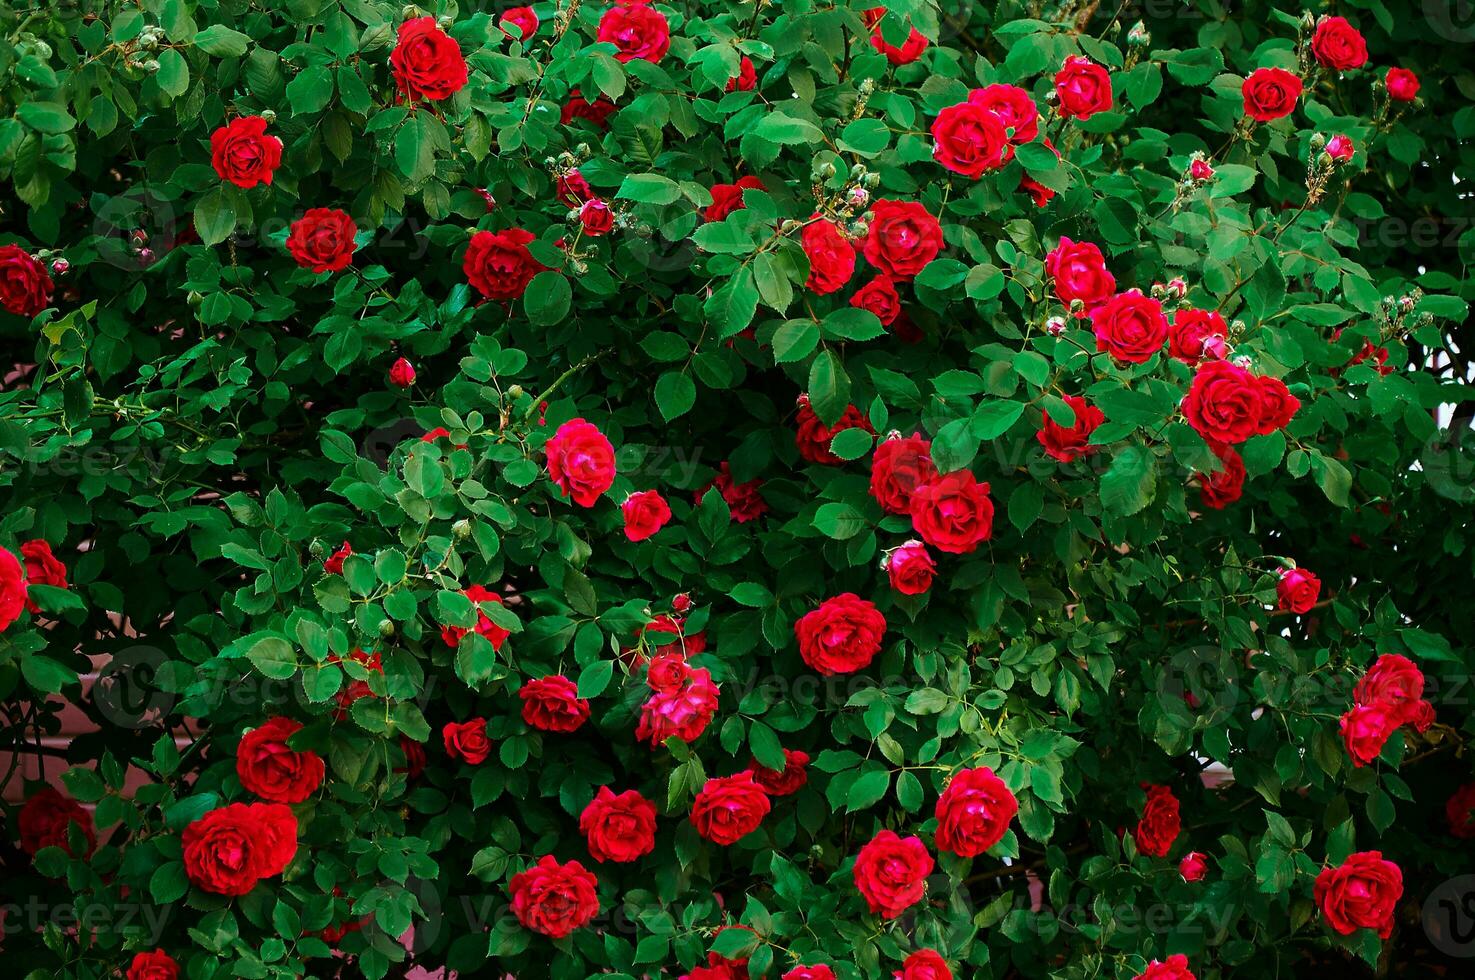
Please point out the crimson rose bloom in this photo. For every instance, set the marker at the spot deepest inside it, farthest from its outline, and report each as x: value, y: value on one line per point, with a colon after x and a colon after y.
x: 1360, y: 894
x: 1366, y: 728
x: 333, y: 564
x: 831, y: 256
x: 499, y: 264
x: 903, y: 238
x: 744, y: 500
x: 1224, y: 402
x: 1225, y: 485
x: 881, y: 298
x: 1297, y: 590
x: 1394, y: 682
x: 683, y: 712
x: 1014, y: 107
x: 1079, y: 273
x: 523, y: 18
x: 953, y: 513
x: 909, y: 51
x: 581, y: 461
x: 1084, y: 88
x: 1277, y: 405
x: 157, y: 965
x: 1195, y: 334
x: 322, y: 240
x: 1194, y: 866
x: 619, y: 828
x: 924, y: 964
x: 552, y: 704
x: 230, y: 849
x: 1402, y: 85
x: 554, y: 899
x: 271, y: 770
x: 596, y: 113
x: 401, y: 373
x: 467, y: 740
x: 667, y: 672
x: 1270, y: 93
x: 1459, y: 810
x: 242, y: 153
x: 728, y: 808
x: 645, y: 513
x: 572, y: 190
x: 596, y: 218
x: 1337, y: 44
x: 495, y: 634
x: 813, y: 437
x: 1130, y: 327
x: 727, y: 198
x: 898, y: 467
x: 786, y: 781
x: 427, y: 62
x: 973, y: 813
x: 969, y: 139
x: 1174, y: 968
x: 842, y: 636
x: 746, y: 79
x: 414, y: 757
x: 1067, y: 444
x: 891, y: 873
x: 637, y: 29
x: 910, y: 569
x: 816, y: 972
x: 686, y: 644
x: 12, y: 589
x: 46, y: 819
x: 25, y: 286
x: 1158, y: 828
x: 42, y: 568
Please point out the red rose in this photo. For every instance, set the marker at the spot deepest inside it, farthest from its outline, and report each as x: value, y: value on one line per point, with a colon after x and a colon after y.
x: 891, y: 873
x: 1270, y: 93
x: 1194, y: 866
x: 1297, y: 590
x: 333, y: 564
x: 831, y: 256
x: 42, y: 568
x: 1338, y: 45
x: 903, y: 238
x: 322, y: 240
x: 554, y: 899
x: 552, y: 704
x: 1459, y: 810
x: 729, y: 808
x: 25, y: 286
x: 619, y: 828
x: 230, y: 849
x: 1402, y: 85
x: 1015, y: 108
x: 1079, y: 273
x: 414, y: 757
x: 973, y: 813
x: 786, y: 781
x: 1225, y: 485
x: 495, y: 634
x: 499, y: 264
x: 1130, y: 327
x: 46, y: 819
x: 1174, y: 968
x: 667, y: 672
x: 467, y: 740
x: 401, y: 373
x: 1224, y: 403
x: 953, y: 513
x: 242, y: 153
x: 577, y: 107
x: 271, y: 770
x: 744, y: 500
x: 356, y: 688
x: 1196, y: 334
x: 910, y: 569
x: 581, y: 461
x: 1361, y: 893
x: 813, y: 438
x: 637, y: 29
x: 686, y: 644
x: 523, y: 18
x: 427, y: 62
x: 910, y: 50
x: 1067, y: 444
x: 682, y: 712
x: 842, y: 635
x: 727, y: 198
x: 572, y: 190
x: 596, y: 218
x: 1159, y: 826
x: 898, y: 467
x: 1366, y: 728
x: 12, y: 589
x: 1393, y: 682
x: 1277, y: 405
x: 746, y: 79
x: 1340, y: 148
x: 880, y: 297
x: 645, y: 513
x: 1084, y: 88
x: 816, y: 972
x: 969, y: 139
x: 924, y: 964
x: 157, y: 965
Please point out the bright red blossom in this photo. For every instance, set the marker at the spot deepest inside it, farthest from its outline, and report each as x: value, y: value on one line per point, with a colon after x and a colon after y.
x: 1070, y: 443
x: 902, y: 239
x: 953, y: 513
x: 322, y: 240
x: 619, y: 827
x: 554, y: 899
x: 1361, y: 893
x: 891, y: 872
x: 1159, y: 825
x: 552, y: 704
x: 271, y: 770
x: 241, y: 152
x: 427, y: 62
x: 467, y: 741
x: 581, y: 461
x: 644, y: 514
x: 842, y: 635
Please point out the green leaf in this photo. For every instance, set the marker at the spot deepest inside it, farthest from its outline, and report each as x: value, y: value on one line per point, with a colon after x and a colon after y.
x: 222, y: 41
x: 548, y: 298
x: 1128, y: 485
x: 829, y: 387
x: 675, y: 394
x: 274, y: 657
x: 45, y: 117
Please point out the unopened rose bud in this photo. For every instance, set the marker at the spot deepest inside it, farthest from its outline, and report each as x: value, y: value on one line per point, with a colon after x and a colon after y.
x: 1325, y: 160
x: 859, y: 197
x: 268, y: 115
x: 1177, y: 288
x: 1201, y: 170
x: 461, y: 529
x: 1405, y: 303
x: 1243, y: 361
x: 486, y: 196
x: 1138, y: 36
x: 1214, y: 347
x: 402, y: 373
x: 827, y: 170
x: 1340, y: 148
x: 1077, y: 306
x: 386, y: 628
x: 1055, y: 326
x: 409, y: 12
x: 681, y: 603
x: 150, y: 66
x: 1158, y: 290
x: 445, y: 23
x: 514, y: 391
x: 60, y: 267
x: 145, y: 256
x: 872, y: 181
x: 1317, y: 141
x: 1308, y: 21
x: 138, y: 238
x: 194, y: 297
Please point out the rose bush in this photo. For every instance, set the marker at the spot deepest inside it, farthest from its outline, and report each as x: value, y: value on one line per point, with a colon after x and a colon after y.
x: 734, y: 490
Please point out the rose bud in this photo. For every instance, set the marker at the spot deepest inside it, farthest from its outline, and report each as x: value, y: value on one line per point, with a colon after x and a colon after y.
x: 60, y: 267
x: 1194, y: 866
x: 486, y: 196
x: 1339, y: 148
x: 1201, y: 170
x: 681, y: 603
x: 402, y: 373
x: 597, y: 218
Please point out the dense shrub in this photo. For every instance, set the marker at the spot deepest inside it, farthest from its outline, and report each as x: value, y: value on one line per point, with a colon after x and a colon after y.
x: 734, y: 489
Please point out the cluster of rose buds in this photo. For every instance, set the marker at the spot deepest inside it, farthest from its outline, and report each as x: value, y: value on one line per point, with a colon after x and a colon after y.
x: 1138, y: 39
x: 1394, y: 313
x: 1175, y: 290
x: 138, y: 244
x: 1326, y: 156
